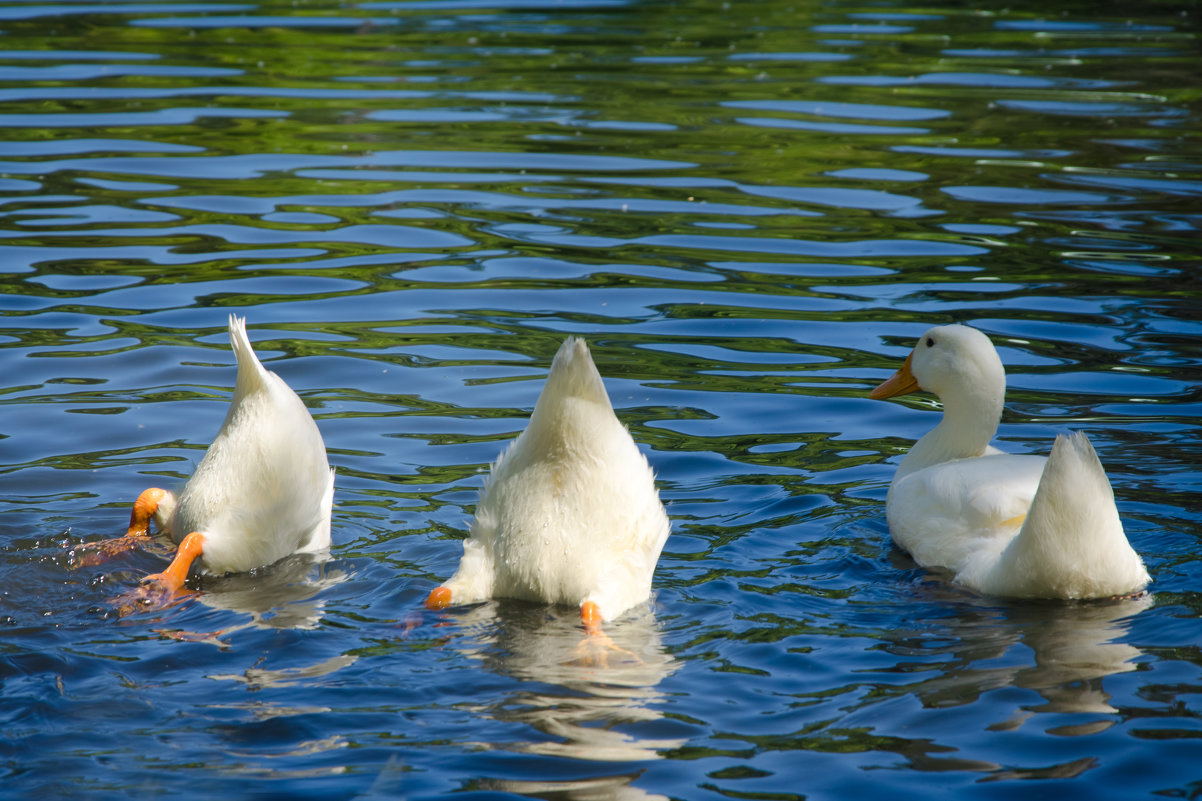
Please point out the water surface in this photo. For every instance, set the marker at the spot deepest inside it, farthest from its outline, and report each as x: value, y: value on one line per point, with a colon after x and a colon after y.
x: 750, y: 211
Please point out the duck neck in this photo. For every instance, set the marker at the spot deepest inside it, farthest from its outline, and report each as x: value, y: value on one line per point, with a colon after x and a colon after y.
x: 970, y: 420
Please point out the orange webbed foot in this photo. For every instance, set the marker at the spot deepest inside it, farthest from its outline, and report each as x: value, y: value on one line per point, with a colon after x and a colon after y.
x: 160, y: 590
x: 597, y: 646
x: 137, y: 534
x: 150, y: 596
x: 590, y: 616
x: 439, y: 598
x: 144, y: 508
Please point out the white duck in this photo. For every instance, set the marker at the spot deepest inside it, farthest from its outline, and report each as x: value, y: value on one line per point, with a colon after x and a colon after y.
x: 1012, y: 525
x: 263, y: 490
x: 569, y: 513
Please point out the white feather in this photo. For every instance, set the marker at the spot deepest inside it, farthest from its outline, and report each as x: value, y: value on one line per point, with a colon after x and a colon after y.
x: 264, y: 488
x: 570, y: 512
x: 1022, y: 526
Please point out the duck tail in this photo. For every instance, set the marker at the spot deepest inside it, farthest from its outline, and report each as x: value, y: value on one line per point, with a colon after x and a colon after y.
x: 251, y: 373
x: 1072, y: 543
x: 573, y: 375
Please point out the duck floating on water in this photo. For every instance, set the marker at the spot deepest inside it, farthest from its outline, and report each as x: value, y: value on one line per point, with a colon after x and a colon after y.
x: 569, y: 513
x: 1004, y: 524
x: 263, y: 490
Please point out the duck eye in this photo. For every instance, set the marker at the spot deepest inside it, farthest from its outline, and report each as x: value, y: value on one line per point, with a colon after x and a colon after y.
x: 930, y: 342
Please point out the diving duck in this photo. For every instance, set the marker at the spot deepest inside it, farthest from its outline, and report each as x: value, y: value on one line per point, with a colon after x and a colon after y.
x: 1004, y: 524
x: 263, y: 490
x: 569, y: 513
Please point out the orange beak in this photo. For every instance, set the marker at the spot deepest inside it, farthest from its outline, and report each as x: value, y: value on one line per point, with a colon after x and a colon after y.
x: 902, y: 382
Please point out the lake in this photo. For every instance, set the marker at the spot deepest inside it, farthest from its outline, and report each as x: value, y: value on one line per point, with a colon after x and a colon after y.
x: 750, y: 211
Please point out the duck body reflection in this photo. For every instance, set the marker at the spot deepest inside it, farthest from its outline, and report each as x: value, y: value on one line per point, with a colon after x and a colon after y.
x: 579, y: 709
x: 1061, y: 651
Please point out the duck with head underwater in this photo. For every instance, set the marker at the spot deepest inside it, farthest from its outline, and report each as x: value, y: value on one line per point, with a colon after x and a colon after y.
x: 569, y: 513
x: 263, y: 490
x: 1004, y: 524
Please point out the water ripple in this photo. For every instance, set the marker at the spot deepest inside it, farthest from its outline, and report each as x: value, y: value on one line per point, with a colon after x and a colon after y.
x: 751, y: 215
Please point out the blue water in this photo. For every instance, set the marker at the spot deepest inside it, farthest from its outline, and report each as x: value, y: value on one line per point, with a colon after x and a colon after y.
x: 750, y: 211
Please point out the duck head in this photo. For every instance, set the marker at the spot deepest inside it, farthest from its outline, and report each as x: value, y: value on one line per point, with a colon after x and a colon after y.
x: 953, y: 362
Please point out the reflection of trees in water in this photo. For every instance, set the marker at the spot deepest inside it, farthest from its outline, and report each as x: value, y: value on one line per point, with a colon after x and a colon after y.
x: 578, y: 701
